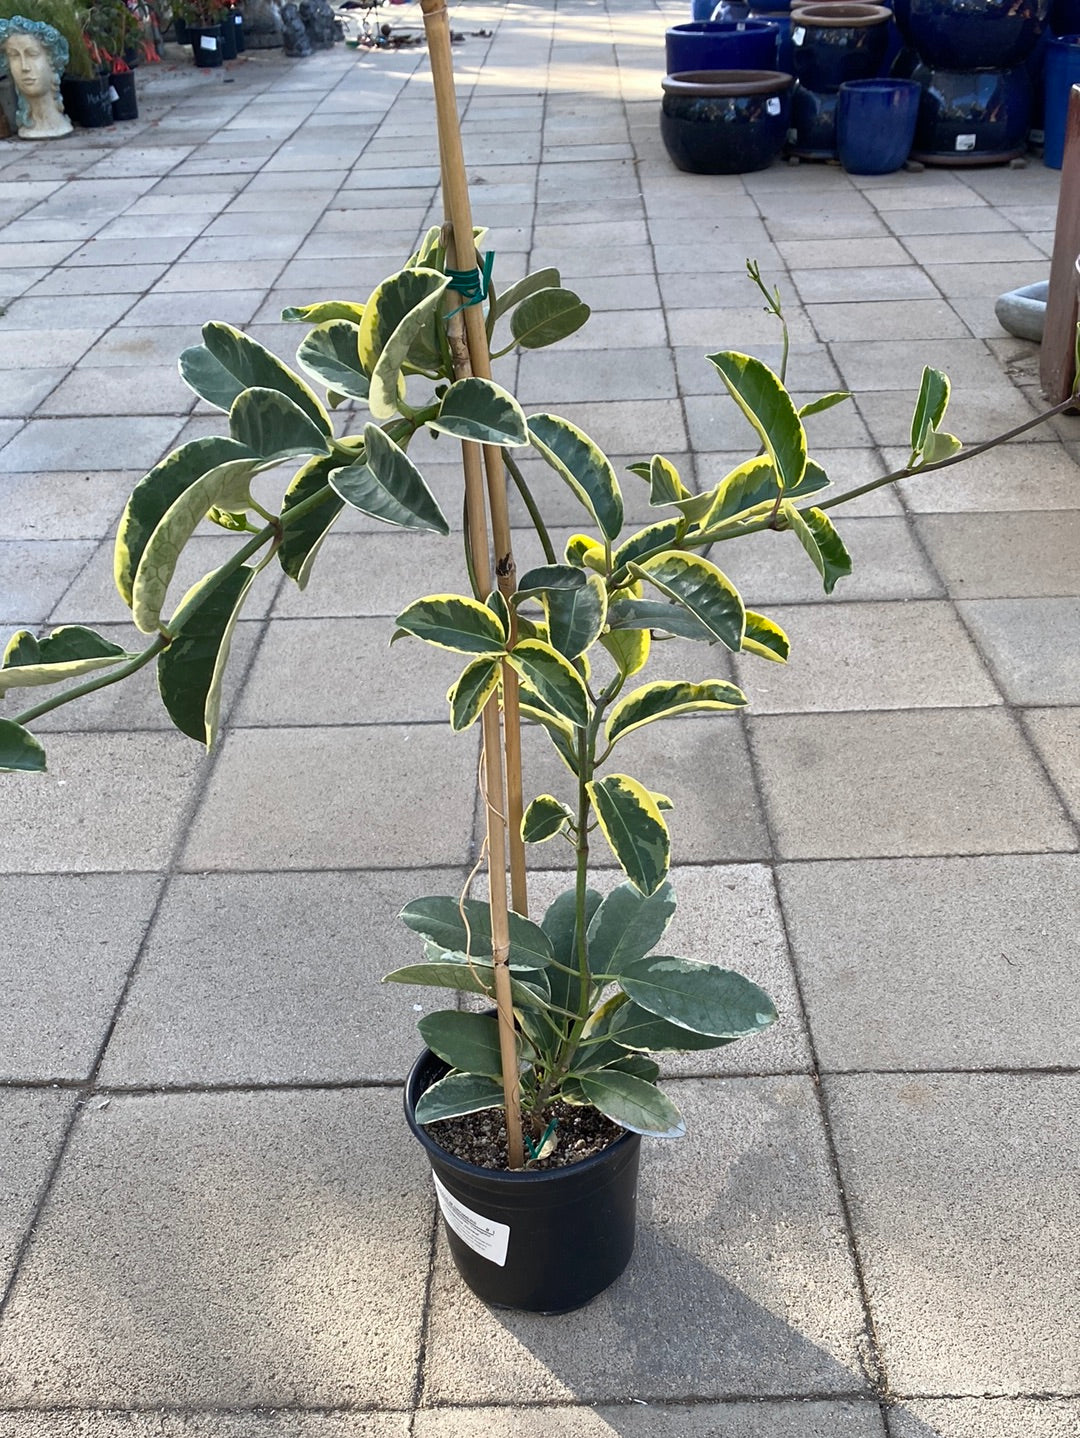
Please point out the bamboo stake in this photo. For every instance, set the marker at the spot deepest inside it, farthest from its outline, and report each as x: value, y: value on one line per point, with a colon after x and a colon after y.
x: 461, y: 331
x: 458, y: 211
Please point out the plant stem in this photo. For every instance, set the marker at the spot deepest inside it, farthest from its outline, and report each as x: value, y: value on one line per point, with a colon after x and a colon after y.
x: 522, y: 487
x: 100, y: 681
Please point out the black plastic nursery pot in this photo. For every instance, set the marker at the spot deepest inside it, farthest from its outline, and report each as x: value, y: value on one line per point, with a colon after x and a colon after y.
x: 125, y: 106
x: 545, y: 1242
x: 206, y: 46
x: 87, y: 102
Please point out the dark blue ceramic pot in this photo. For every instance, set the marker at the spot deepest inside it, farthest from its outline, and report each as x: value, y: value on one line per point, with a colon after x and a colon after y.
x: 725, y: 122
x: 875, y: 124
x: 780, y: 20
x: 975, y: 34
x: 721, y: 45
x: 813, y: 124
x: 971, y: 117
x: 835, y: 42
x: 1061, y: 74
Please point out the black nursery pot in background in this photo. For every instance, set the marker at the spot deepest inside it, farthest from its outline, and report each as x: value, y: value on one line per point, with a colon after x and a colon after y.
x: 87, y: 102
x: 206, y: 46
x: 546, y: 1241
x: 125, y: 106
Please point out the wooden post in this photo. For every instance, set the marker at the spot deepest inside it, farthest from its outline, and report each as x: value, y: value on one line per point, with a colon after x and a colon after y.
x: 472, y: 357
x: 1057, y: 360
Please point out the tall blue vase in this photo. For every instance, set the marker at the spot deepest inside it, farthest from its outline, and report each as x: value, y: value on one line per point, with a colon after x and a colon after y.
x: 1061, y: 73
x: 875, y: 124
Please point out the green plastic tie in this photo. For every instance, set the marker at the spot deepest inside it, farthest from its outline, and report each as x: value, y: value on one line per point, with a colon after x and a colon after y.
x: 535, y: 1150
x: 471, y: 285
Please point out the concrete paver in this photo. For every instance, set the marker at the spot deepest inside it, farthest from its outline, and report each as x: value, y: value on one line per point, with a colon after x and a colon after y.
x: 243, y: 1245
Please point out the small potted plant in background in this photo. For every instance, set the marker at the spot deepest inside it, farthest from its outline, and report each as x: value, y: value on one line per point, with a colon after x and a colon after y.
x: 204, y: 25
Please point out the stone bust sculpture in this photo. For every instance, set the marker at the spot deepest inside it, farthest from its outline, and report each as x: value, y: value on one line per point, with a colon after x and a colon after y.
x: 34, y: 54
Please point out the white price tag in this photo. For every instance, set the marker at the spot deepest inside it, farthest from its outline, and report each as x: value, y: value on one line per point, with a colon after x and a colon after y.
x: 798, y: 35
x: 208, y: 42
x: 114, y: 94
x: 966, y: 142
x: 486, y: 1237
x: 772, y: 105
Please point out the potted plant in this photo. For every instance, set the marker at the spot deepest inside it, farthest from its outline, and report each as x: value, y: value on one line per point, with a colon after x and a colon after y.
x: 204, y: 27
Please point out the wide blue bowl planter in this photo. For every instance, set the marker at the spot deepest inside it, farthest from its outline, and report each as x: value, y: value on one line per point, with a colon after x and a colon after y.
x: 1060, y: 74
x: 725, y: 122
x: 720, y: 45
x: 835, y: 42
x: 972, y: 118
x: 875, y: 124
x: 975, y: 34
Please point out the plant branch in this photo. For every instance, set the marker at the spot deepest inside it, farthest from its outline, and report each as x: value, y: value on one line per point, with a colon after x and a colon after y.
x: 99, y: 681
x: 522, y: 486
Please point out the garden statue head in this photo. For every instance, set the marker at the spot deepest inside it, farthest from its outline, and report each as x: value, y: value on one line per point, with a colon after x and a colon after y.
x: 35, y: 54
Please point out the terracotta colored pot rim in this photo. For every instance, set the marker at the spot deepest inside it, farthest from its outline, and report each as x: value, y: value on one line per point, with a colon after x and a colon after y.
x: 727, y: 82
x: 840, y: 15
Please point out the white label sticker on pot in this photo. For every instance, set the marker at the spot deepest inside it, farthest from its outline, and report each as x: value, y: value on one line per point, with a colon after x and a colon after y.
x: 798, y: 35
x: 772, y: 106
x: 966, y: 142
x: 114, y: 94
x: 208, y: 42
x: 488, y: 1238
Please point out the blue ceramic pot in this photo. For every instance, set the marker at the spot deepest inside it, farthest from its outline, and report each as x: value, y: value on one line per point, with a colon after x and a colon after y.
x: 780, y: 21
x: 971, y: 117
x: 975, y: 34
x: 721, y: 45
x: 813, y: 124
x: 1062, y: 72
x: 875, y: 124
x: 725, y: 122
x: 835, y: 42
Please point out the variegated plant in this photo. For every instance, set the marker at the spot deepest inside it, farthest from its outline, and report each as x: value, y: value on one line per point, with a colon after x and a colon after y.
x: 592, y: 998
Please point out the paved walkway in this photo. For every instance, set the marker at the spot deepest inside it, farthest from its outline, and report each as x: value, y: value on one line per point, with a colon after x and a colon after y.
x: 212, y: 1220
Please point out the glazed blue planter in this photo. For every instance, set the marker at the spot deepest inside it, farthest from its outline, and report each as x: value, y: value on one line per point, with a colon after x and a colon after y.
x: 975, y: 34
x: 725, y: 122
x: 813, y: 124
x: 721, y: 45
x: 781, y: 22
x: 875, y: 124
x: 1061, y: 73
x: 972, y: 118
x: 833, y: 43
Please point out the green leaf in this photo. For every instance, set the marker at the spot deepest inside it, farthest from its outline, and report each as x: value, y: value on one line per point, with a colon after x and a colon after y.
x: 545, y: 817
x: 814, y: 478
x: 930, y: 406
x: 331, y: 352
x: 546, y: 577
x: 940, y: 445
x: 765, y: 639
x: 635, y: 1028
x: 66, y: 653
x: 641, y: 615
x: 388, y: 486
x: 190, y: 671
x: 547, y: 317
x: 208, y: 377
x: 559, y: 732
x: 444, y: 969
x: 584, y: 467
x: 665, y: 485
x: 471, y: 691
x: 635, y: 829
x: 701, y: 588
x: 301, y: 541
x: 575, y: 617
x: 701, y: 997
x: 628, y: 925
x: 387, y: 385
x: 464, y: 1041
x: 497, y: 603
x: 821, y: 542
x: 521, y: 290
x: 439, y: 918
x: 19, y: 750
x: 583, y: 552
x: 657, y: 536
x: 254, y: 367
x: 225, y: 487
x: 479, y: 410
x: 453, y: 621
x: 748, y: 486
x: 553, y: 678
x: 560, y: 925
x: 665, y: 698
x: 636, y: 1064
x: 390, y: 305
x: 156, y: 493
x: 629, y: 647
x: 826, y: 401
x: 457, y: 1094
x: 317, y: 314
x: 275, y: 428
x: 630, y: 1101
x: 769, y: 408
